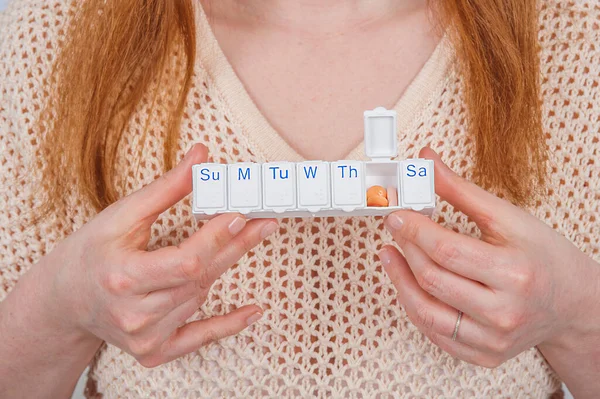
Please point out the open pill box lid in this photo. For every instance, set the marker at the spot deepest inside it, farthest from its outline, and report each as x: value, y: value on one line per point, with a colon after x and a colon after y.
x: 381, y: 140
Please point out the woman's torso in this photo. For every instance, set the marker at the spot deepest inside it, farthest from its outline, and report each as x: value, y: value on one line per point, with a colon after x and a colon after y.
x: 332, y: 327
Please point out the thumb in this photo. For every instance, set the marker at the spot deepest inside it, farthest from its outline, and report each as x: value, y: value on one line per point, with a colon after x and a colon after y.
x: 158, y: 196
x: 491, y: 214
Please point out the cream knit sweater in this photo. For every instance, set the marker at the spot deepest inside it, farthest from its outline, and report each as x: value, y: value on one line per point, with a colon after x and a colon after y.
x: 332, y: 327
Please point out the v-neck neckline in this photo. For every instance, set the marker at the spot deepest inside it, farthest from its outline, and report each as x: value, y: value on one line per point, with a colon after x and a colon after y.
x: 264, y: 139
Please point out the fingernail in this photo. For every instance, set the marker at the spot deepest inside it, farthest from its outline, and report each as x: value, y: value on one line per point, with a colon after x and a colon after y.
x: 237, y: 225
x: 254, y: 318
x: 394, y: 222
x: 268, y: 230
x: 385, y: 257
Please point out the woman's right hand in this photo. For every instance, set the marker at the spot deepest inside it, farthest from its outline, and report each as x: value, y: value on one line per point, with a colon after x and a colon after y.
x: 106, y: 284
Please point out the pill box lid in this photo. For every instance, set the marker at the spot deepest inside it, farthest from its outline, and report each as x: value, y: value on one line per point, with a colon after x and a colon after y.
x: 381, y: 140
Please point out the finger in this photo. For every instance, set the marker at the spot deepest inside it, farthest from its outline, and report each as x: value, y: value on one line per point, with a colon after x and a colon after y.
x: 256, y: 231
x: 494, y: 216
x: 463, y: 255
x: 155, y: 198
x: 203, y: 257
x: 200, y: 333
x: 178, y: 316
x: 165, y: 300
x: 458, y: 292
x: 176, y: 265
x: 161, y: 302
x: 464, y: 352
x: 428, y: 314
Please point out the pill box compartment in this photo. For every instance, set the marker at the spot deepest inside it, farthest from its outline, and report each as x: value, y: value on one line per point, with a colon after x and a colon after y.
x: 417, y: 181
x: 314, y: 186
x: 381, y: 145
x: 244, y: 184
x: 279, y: 186
x: 384, y: 174
x: 348, y: 186
x: 210, y: 188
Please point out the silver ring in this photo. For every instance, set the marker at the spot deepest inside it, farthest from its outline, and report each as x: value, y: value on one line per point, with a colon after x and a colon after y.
x: 457, y: 325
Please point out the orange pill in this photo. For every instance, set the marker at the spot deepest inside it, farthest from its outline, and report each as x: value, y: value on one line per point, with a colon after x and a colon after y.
x: 376, y: 191
x: 377, y: 201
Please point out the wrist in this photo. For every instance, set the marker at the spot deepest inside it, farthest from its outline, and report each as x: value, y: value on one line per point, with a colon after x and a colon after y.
x: 581, y: 317
x: 37, y: 341
x: 574, y: 350
x: 36, y: 304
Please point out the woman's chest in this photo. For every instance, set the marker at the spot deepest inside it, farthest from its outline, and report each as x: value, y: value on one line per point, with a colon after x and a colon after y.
x: 312, y: 88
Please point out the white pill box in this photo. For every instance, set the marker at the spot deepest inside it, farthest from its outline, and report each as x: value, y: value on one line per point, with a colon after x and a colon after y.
x: 318, y: 188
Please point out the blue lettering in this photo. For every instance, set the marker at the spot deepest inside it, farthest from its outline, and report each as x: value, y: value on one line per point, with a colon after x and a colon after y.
x: 353, y: 170
x: 310, y: 172
x: 282, y: 175
x: 204, y: 174
x: 242, y: 175
x: 411, y: 171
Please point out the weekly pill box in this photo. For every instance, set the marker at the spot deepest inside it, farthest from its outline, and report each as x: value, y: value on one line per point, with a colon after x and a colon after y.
x: 318, y: 188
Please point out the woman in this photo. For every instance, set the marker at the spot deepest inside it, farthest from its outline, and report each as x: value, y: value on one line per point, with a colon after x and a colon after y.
x: 98, y: 100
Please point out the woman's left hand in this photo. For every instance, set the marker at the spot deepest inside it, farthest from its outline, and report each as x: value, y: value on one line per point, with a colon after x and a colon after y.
x: 520, y: 285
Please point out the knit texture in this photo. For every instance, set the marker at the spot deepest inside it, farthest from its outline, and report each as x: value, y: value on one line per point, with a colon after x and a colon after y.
x: 332, y: 326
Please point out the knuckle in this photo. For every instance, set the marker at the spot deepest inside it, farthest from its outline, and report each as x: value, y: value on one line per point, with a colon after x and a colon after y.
x: 166, y: 179
x: 508, y: 322
x: 487, y: 222
x: 191, y: 266
x: 410, y: 230
x: 209, y: 336
x: 131, y: 324
x: 117, y: 283
x: 523, y: 279
x: 174, y: 298
x: 217, y: 239
x: 429, y: 280
x: 206, y: 275
x: 246, y: 243
x: 143, y: 347
x: 445, y: 253
x: 499, y: 260
x: 150, y: 362
x: 500, y: 345
x: 423, y: 317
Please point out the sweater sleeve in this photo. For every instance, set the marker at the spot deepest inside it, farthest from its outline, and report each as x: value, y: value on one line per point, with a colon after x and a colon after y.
x: 28, y: 33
